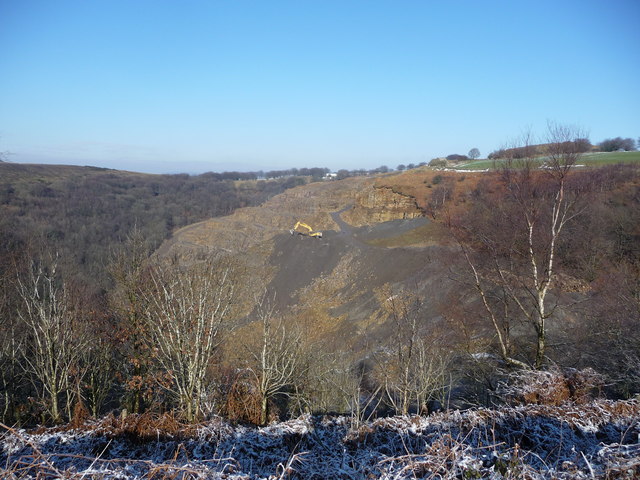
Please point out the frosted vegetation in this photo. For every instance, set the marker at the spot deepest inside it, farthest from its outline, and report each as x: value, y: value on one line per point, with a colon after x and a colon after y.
x: 594, y: 440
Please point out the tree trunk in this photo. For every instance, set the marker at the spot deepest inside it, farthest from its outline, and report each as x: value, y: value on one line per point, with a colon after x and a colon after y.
x: 264, y: 410
x: 187, y: 406
x: 55, y: 408
x: 541, y: 345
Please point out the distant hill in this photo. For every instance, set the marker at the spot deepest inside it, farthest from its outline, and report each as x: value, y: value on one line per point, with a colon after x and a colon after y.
x: 580, y: 145
x: 84, y: 212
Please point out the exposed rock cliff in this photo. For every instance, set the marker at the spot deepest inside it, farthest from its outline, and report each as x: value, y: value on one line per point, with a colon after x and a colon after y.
x: 381, y: 204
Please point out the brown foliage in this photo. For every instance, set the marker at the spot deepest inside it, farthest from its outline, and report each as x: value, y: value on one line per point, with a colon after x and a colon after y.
x: 147, y: 426
x: 243, y: 401
x: 553, y: 387
x: 80, y: 415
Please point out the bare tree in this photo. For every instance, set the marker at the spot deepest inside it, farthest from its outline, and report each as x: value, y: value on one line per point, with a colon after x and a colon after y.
x: 127, y: 269
x: 188, y: 310
x: 563, y: 154
x: 520, y: 235
x: 440, y: 195
x: 54, y: 347
x: 278, y: 359
x: 410, y: 367
x: 474, y: 153
x: 11, y: 344
x: 355, y: 388
x: 100, y: 373
x: 496, y: 303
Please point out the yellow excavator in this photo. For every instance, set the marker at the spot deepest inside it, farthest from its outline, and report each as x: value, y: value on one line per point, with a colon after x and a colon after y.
x: 309, y: 231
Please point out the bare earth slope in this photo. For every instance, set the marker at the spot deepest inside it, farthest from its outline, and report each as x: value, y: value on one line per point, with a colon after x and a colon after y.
x: 372, y: 236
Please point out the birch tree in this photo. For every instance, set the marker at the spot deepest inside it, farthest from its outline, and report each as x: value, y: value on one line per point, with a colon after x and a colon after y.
x: 54, y: 346
x: 411, y: 368
x: 188, y: 310
x: 278, y: 358
x: 516, y: 232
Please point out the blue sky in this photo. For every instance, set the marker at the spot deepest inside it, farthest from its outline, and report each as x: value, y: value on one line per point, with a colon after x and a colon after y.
x: 170, y: 86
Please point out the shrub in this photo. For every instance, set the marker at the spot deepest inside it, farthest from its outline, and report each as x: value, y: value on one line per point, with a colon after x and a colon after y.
x: 457, y: 158
x: 551, y: 387
x: 438, y: 162
x: 618, y: 143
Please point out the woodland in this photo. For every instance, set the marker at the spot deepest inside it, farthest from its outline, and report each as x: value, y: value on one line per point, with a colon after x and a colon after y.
x: 82, y: 213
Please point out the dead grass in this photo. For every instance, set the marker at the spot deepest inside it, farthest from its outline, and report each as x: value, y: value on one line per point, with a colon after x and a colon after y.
x: 419, y: 184
x: 571, y: 441
x: 554, y: 386
x: 136, y: 427
x: 146, y: 426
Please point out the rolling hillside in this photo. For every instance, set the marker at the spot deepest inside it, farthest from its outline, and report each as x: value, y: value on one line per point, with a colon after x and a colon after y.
x: 387, y: 234
x: 83, y: 213
x: 588, y: 159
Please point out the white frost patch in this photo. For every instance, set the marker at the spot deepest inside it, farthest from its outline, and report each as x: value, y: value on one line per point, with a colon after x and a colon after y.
x: 298, y: 426
x: 533, y: 441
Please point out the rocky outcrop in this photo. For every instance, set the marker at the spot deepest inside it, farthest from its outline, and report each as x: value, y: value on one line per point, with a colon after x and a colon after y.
x: 381, y: 204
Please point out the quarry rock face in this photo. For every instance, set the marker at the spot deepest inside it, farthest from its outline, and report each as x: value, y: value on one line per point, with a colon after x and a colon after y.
x: 382, y: 204
x: 359, y: 199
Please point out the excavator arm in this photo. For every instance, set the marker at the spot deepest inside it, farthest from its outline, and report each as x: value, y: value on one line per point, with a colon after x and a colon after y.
x: 303, y: 225
x: 309, y: 232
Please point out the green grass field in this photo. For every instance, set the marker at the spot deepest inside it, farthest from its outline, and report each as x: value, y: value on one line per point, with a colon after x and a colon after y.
x: 591, y: 159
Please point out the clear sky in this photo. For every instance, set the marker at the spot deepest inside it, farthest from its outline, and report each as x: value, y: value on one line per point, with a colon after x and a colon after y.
x: 194, y: 86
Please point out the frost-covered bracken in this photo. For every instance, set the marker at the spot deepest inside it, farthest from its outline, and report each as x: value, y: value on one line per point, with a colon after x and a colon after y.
x: 594, y: 440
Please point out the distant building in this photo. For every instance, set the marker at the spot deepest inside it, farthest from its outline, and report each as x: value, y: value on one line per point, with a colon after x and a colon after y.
x: 330, y: 176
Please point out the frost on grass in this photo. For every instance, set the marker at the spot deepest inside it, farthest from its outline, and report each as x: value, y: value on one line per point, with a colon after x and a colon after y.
x: 592, y: 440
